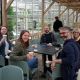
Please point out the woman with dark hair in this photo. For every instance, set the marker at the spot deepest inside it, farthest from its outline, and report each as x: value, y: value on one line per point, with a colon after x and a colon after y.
x: 5, y: 44
x: 20, y: 52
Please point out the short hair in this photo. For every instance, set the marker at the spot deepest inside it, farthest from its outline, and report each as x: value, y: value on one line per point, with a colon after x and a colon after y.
x: 66, y: 28
x: 56, y: 17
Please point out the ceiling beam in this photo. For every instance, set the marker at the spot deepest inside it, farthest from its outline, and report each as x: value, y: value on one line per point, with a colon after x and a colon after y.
x: 70, y: 3
x: 49, y: 7
x: 63, y: 11
x: 42, y: 17
x: 8, y: 4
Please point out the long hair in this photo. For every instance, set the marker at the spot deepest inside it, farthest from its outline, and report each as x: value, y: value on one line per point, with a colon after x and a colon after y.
x: 26, y: 44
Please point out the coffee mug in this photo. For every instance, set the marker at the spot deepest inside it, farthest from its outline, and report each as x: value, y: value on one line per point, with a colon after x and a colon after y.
x: 48, y: 63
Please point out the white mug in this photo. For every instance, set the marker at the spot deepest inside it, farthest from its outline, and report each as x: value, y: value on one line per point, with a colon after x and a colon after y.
x: 48, y: 63
x: 4, y: 36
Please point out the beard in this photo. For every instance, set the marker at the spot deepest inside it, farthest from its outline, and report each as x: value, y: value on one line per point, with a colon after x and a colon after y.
x: 64, y: 37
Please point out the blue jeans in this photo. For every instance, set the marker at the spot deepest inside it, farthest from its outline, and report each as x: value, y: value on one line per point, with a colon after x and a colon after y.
x: 33, y: 63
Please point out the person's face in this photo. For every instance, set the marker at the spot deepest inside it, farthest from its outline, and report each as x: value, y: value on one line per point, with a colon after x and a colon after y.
x: 25, y: 36
x: 64, y: 34
x: 76, y: 34
x: 3, y: 30
x: 46, y: 29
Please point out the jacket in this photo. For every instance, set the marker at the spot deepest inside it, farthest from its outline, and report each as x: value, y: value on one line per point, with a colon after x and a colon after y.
x: 19, y: 52
x: 47, y: 38
x: 70, y: 58
x: 2, y: 48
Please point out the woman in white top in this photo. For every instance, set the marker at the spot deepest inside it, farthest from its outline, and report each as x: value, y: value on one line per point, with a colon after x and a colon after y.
x: 5, y: 45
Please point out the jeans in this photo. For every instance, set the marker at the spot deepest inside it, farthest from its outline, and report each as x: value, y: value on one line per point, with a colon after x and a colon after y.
x: 33, y: 63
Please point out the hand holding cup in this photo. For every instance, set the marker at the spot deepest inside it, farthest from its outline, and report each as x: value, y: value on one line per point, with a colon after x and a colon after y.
x: 4, y: 36
x: 49, y: 44
x: 3, y: 39
x: 30, y: 55
x: 48, y: 63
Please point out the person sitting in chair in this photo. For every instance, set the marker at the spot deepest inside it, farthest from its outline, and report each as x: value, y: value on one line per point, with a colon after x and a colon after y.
x: 48, y: 39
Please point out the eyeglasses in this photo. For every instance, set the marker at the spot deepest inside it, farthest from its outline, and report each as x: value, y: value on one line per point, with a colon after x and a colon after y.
x: 63, y: 32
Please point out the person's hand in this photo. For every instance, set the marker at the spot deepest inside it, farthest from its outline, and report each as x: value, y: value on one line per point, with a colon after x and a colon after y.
x: 9, y: 51
x: 7, y: 57
x: 49, y: 44
x: 53, y: 65
x: 30, y: 55
x: 5, y: 36
x: 2, y: 40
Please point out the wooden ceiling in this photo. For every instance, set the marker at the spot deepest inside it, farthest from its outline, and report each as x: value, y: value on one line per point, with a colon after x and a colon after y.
x: 72, y: 4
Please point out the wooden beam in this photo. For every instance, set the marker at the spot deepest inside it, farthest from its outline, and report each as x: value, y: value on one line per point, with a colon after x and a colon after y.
x: 49, y: 7
x: 59, y: 9
x: 8, y: 4
x: 75, y: 7
x: 42, y: 19
x: 71, y: 13
x: 71, y: 4
x: 4, y: 13
x: 77, y: 16
x: 68, y: 17
x: 73, y: 18
x: 63, y: 11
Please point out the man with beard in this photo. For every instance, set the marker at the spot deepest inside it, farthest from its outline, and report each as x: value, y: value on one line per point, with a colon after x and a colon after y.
x: 68, y: 57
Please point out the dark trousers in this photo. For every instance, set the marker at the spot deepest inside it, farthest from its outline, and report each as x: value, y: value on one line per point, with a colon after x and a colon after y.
x: 6, y: 61
x: 44, y: 62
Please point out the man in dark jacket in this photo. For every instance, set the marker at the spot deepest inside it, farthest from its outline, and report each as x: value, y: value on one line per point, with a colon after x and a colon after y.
x: 47, y: 38
x: 57, y: 24
x: 69, y: 56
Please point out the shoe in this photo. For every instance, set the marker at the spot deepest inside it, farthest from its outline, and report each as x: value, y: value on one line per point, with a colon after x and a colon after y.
x: 43, y: 76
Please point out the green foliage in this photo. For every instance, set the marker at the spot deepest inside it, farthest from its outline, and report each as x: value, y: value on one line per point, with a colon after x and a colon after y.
x: 10, y: 22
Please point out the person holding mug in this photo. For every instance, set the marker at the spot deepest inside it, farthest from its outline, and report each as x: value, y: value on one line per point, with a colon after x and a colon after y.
x: 20, y: 52
x: 5, y: 44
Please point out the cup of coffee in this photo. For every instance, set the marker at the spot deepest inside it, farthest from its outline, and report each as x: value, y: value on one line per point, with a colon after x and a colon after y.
x: 35, y: 50
x: 4, y: 36
x: 34, y: 45
x: 48, y: 63
x: 56, y: 48
x: 49, y: 44
x: 7, y: 57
